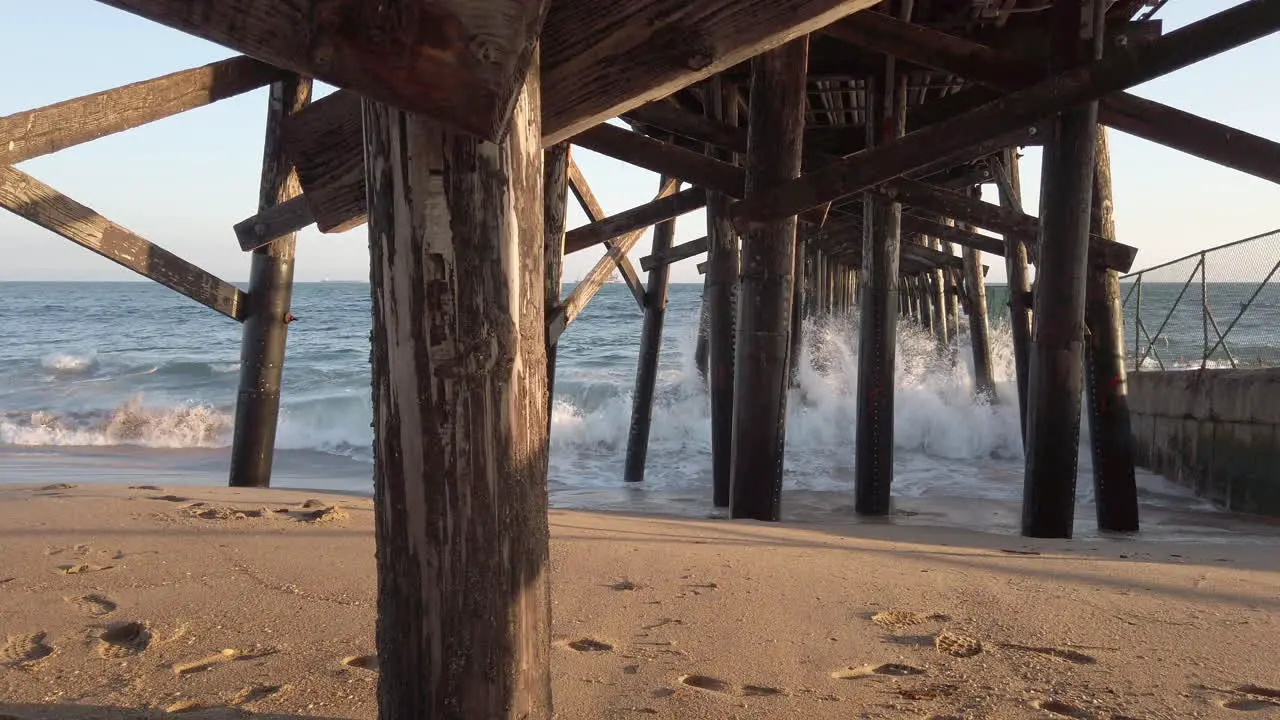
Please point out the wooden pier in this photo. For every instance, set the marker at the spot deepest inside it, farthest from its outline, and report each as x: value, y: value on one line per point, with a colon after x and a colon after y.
x: 839, y: 148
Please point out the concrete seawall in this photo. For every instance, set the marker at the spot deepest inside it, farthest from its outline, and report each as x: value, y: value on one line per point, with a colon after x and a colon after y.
x: 1214, y: 431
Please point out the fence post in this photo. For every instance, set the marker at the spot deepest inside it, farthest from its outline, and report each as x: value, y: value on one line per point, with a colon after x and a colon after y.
x: 1204, y: 313
x: 1137, y: 323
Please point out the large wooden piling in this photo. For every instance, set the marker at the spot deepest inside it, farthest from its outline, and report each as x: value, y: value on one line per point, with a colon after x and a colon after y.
x: 655, y: 313
x: 1009, y: 181
x: 979, y: 329
x: 722, y: 305
x: 459, y: 408
x: 877, y: 351
x: 266, y: 326
x: 1054, y: 378
x: 555, y: 197
x: 1106, y: 390
x: 775, y: 134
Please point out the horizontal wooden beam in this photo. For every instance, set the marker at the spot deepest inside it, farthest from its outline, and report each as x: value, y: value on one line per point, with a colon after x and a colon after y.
x: 671, y: 117
x: 595, y: 212
x: 32, y: 133
x: 1121, y: 68
x: 1123, y: 111
x: 276, y: 221
x: 663, y: 158
x: 591, y: 283
x: 327, y: 149
x: 602, y: 58
x: 674, y: 254
x: 637, y: 218
x: 458, y: 61
x: 31, y: 199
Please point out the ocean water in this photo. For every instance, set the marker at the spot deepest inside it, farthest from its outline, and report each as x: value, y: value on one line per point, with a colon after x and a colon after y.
x: 129, y: 381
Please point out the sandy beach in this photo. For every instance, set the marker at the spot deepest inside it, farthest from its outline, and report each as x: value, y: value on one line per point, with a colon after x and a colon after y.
x: 139, y: 602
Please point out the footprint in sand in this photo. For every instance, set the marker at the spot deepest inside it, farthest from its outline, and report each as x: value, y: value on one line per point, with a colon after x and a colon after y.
x: 1249, y: 705
x: 1061, y: 709
x: 81, y: 568
x: 169, y: 498
x: 57, y: 486
x: 956, y: 644
x: 707, y: 683
x: 124, y: 639
x: 885, y: 669
x: 716, y: 685
x: 21, y: 650
x: 899, y: 619
x: 362, y: 662
x: 205, y: 512
x: 588, y: 645
x: 1070, y: 656
x: 254, y: 693
x: 155, y: 488
x: 93, y: 605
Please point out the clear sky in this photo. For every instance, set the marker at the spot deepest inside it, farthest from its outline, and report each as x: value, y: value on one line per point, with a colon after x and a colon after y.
x: 184, y: 181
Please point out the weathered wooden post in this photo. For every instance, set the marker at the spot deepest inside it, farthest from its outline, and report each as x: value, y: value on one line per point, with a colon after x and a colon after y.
x: 722, y: 289
x: 1009, y: 181
x: 881, y: 238
x: 1054, y: 380
x: 926, y: 301
x: 459, y: 407
x: 938, y: 297
x: 979, y: 329
x: 775, y: 133
x: 798, y: 290
x: 266, y: 327
x: 555, y: 196
x: 702, y: 346
x: 951, y: 292
x: 1106, y: 393
x: 655, y: 312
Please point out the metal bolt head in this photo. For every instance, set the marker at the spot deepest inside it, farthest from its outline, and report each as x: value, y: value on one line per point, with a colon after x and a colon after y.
x: 1032, y: 131
x: 259, y: 229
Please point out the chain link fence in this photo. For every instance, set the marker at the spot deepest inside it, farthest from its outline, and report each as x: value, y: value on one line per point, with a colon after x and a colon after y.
x: 1217, y: 308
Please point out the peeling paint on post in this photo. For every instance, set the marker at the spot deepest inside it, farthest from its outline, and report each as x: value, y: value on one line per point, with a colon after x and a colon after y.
x: 456, y: 248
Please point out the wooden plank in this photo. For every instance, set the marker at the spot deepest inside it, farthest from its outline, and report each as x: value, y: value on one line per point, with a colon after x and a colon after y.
x: 671, y: 117
x: 32, y: 133
x: 459, y: 61
x: 29, y: 198
x: 996, y: 218
x: 674, y: 254
x: 591, y: 283
x: 327, y: 147
x: 460, y: 417
x: 1123, y: 111
x: 266, y: 323
x: 663, y: 158
x: 604, y: 58
x: 1121, y: 68
x: 587, y: 199
x: 776, y: 127
x: 636, y: 218
x: 276, y: 221
x: 601, y: 60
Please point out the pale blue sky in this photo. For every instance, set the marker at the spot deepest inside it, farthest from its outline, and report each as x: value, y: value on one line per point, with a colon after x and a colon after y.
x: 182, y: 182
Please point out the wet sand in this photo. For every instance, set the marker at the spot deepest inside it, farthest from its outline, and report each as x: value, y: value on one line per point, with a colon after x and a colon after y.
x: 136, y: 602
